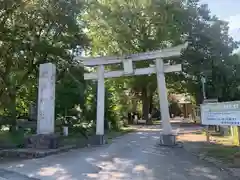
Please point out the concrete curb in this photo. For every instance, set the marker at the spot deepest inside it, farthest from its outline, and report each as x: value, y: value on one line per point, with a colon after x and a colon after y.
x: 26, y: 153
x: 213, y: 161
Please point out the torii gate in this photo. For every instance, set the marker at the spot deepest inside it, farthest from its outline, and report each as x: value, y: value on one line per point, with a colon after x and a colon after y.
x: 160, y: 68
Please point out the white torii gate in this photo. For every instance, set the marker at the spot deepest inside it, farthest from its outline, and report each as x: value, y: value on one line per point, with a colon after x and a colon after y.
x: 160, y: 68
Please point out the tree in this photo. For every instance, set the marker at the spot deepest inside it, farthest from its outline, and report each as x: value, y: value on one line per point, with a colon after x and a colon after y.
x: 31, y: 33
x: 70, y: 90
x: 209, y: 53
x: 125, y: 27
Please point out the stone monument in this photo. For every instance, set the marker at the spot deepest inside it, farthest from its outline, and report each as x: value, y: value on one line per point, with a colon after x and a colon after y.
x: 45, y: 137
x: 46, y: 99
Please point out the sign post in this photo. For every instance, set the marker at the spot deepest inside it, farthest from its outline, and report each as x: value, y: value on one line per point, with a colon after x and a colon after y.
x: 207, y: 127
x: 221, y: 114
x: 203, y: 80
x: 224, y: 114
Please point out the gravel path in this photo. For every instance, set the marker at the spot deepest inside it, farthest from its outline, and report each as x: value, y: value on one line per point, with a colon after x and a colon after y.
x: 133, y: 156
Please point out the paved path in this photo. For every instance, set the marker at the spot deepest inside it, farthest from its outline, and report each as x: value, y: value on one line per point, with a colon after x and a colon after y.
x: 133, y: 156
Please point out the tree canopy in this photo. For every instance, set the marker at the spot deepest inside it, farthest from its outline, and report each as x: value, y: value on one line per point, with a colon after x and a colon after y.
x: 125, y: 27
x: 32, y: 33
x: 40, y: 31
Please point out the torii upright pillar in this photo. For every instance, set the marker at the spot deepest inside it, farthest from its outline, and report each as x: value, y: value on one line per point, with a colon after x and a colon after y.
x: 100, y: 106
x: 163, y: 101
x: 167, y: 137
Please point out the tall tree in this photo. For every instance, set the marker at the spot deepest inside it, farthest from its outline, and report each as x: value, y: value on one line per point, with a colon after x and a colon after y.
x: 125, y: 27
x: 209, y: 52
x: 31, y: 33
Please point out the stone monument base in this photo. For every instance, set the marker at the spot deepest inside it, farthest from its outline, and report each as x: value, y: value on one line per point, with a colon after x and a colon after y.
x: 168, y: 140
x: 43, y: 141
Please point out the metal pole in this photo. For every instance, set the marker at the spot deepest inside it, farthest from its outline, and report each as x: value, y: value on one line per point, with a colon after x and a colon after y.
x: 203, y: 80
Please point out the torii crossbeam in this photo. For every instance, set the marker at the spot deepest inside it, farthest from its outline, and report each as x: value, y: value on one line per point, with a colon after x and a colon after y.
x: 160, y: 68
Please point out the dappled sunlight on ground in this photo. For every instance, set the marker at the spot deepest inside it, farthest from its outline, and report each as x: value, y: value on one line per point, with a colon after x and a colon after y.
x: 133, y: 156
x: 120, y: 168
x: 202, y: 171
x: 192, y: 137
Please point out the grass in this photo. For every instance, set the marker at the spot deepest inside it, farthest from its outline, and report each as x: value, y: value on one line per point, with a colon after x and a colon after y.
x: 225, y: 154
x: 15, y: 139
x: 222, y: 148
x: 71, y: 139
x: 75, y: 138
x: 156, y: 122
x: 12, y: 138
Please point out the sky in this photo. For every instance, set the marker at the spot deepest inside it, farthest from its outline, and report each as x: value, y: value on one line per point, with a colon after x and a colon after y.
x: 228, y: 10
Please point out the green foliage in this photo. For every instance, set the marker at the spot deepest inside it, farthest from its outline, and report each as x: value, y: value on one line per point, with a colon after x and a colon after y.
x: 39, y: 31
x: 125, y: 27
x: 13, y: 139
x: 112, y: 109
x: 90, y: 99
x: 70, y: 90
x: 112, y: 113
x: 209, y: 53
x: 31, y: 33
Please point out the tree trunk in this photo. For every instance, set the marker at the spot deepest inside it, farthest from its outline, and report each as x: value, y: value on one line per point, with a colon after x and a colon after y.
x: 134, y: 105
x: 150, y: 103
x: 145, y: 107
x: 12, y: 110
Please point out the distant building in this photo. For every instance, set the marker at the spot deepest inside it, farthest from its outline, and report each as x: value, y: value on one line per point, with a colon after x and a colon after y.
x: 185, y: 103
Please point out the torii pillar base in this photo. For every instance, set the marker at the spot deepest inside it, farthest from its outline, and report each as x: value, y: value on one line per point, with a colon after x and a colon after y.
x: 99, y: 140
x: 168, y: 140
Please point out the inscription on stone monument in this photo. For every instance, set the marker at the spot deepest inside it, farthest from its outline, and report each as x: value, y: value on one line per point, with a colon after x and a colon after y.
x: 46, y: 99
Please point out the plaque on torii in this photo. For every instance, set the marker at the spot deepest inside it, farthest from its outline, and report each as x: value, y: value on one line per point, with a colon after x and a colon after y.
x: 160, y: 68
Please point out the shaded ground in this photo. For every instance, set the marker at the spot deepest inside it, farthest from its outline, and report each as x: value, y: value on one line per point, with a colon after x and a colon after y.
x: 221, y: 151
x: 133, y: 156
x: 220, y: 147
